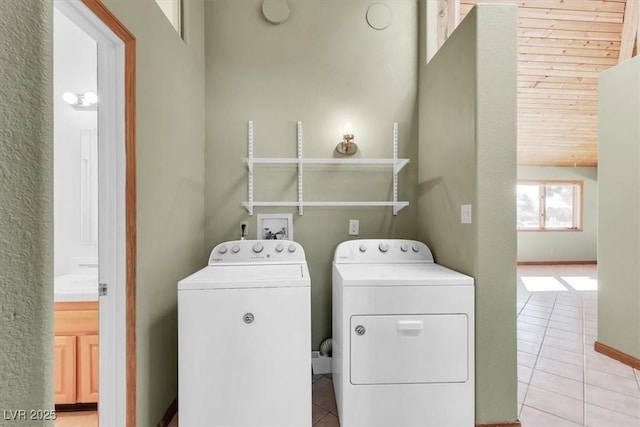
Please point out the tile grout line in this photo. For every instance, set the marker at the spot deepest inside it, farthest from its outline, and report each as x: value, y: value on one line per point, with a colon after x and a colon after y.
x: 525, y: 303
x: 583, y: 352
x: 535, y: 363
x: 584, y: 364
x: 321, y: 418
x: 552, y: 414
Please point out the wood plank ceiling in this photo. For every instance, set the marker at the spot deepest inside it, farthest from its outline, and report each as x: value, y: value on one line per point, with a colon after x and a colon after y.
x: 562, y: 47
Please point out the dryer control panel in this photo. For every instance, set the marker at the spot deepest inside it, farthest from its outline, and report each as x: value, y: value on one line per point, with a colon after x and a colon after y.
x: 365, y: 251
x: 257, y: 251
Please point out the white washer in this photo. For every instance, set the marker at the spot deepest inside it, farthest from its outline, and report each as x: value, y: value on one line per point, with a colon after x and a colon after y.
x: 244, y: 337
x: 403, y: 337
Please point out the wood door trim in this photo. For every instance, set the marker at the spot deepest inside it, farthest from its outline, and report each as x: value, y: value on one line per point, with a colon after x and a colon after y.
x: 129, y: 40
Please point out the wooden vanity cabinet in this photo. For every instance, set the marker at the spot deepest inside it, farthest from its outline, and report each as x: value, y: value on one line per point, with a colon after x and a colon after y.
x: 65, y: 366
x: 88, y: 369
x: 76, y: 352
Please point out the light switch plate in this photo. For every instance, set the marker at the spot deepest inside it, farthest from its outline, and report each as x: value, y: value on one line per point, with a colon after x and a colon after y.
x: 465, y: 214
x: 354, y: 227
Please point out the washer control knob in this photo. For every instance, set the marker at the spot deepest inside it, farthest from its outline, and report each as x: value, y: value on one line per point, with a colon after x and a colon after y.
x: 363, y: 248
x: 279, y: 247
x: 384, y: 247
x: 222, y: 249
x: 291, y: 248
x: 235, y: 249
x: 404, y: 247
x: 415, y: 248
x: 257, y: 248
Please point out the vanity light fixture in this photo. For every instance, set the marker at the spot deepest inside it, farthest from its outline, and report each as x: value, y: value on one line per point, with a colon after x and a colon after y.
x: 86, y: 101
x: 347, y: 146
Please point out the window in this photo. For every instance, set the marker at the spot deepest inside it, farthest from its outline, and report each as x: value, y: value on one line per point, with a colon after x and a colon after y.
x: 549, y: 205
x: 173, y: 10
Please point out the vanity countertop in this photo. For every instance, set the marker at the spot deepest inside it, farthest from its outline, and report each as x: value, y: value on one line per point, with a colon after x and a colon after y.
x: 76, y: 287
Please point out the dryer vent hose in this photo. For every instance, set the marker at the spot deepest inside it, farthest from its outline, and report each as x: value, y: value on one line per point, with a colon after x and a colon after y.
x: 325, y: 348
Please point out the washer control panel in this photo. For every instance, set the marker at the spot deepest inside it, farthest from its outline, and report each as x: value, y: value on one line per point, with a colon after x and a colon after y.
x: 382, y: 250
x: 252, y: 251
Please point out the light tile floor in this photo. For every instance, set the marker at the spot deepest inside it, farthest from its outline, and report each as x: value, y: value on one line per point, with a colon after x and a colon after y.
x: 562, y: 381
x: 76, y: 419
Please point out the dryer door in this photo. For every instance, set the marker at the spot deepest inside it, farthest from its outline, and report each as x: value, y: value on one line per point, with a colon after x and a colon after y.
x: 409, y: 349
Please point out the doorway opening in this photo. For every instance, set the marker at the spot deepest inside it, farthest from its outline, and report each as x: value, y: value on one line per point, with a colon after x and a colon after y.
x: 76, y: 260
x: 94, y: 139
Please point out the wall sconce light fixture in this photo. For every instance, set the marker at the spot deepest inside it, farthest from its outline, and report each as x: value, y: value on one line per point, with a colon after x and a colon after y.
x: 86, y: 101
x: 347, y: 146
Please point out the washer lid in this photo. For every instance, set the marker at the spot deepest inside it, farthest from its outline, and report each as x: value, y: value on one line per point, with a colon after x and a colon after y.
x: 399, y: 275
x: 247, y: 276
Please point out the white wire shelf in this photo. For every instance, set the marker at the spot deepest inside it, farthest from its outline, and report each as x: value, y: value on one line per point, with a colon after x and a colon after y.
x: 300, y: 161
x: 307, y: 203
x: 398, y: 164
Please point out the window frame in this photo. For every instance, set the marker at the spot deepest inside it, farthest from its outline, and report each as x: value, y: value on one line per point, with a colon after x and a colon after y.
x: 177, y: 6
x: 578, y: 204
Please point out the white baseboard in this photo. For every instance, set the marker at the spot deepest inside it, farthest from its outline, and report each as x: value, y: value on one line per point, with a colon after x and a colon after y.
x: 320, y: 364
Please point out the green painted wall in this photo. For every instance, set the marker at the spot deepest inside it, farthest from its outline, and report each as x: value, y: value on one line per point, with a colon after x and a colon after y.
x: 563, y: 245
x: 170, y: 167
x: 467, y: 152
x: 619, y: 208
x: 325, y: 66
x: 26, y: 207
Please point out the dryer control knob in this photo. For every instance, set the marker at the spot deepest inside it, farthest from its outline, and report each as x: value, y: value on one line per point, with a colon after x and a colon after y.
x: 291, y: 248
x: 279, y: 247
x: 415, y: 248
x: 257, y: 248
x: 222, y: 249
x: 235, y: 249
x: 404, y: 247
x: 383, y: 247
x: 363, y: 248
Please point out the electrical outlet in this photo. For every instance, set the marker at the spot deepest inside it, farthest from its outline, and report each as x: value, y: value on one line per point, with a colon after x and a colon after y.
x: 246, y: 228
x: 354, y: 227
x: 465, y: 214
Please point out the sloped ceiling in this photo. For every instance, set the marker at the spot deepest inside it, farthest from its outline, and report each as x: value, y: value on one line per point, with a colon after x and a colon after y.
x: 562, y: 47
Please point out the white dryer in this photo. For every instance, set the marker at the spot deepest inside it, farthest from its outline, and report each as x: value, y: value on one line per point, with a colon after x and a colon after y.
x: 244, y: 337
x: 403, y: 337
